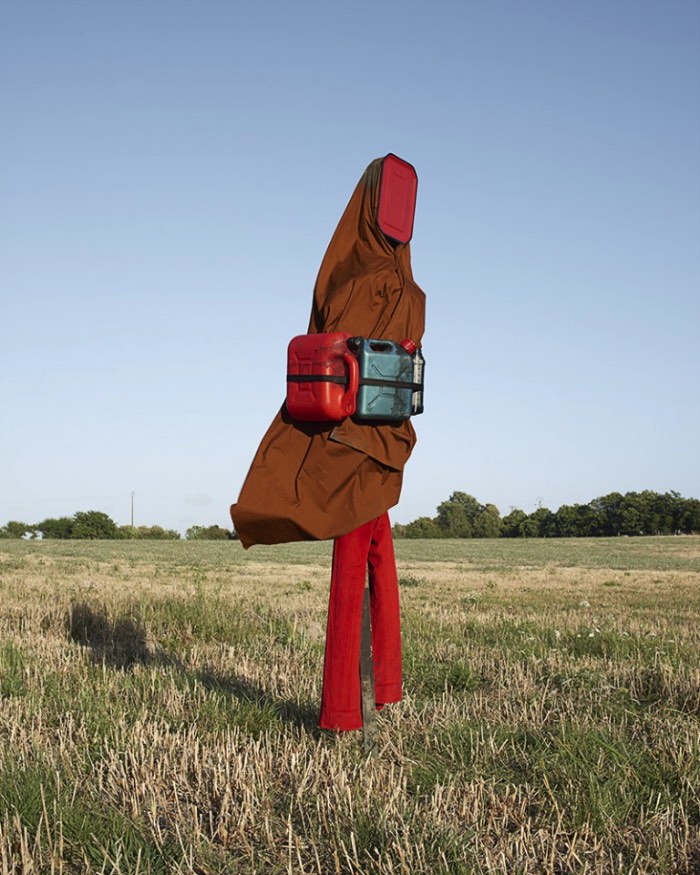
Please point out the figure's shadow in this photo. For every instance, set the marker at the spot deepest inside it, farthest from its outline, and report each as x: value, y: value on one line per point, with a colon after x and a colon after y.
x: 119, y: 642
x: 122, y: 642
x: 299, y: 714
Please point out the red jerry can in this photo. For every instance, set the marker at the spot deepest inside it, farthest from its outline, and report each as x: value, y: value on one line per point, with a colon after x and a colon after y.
x: 322, y: 377
x: 397, y: 198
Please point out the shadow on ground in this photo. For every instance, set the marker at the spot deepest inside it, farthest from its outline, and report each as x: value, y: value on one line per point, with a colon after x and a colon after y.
x: 289, y: 710
x: 122, y: 642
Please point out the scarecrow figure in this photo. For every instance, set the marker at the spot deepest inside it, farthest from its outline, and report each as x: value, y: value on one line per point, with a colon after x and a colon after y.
x: 321, y: 480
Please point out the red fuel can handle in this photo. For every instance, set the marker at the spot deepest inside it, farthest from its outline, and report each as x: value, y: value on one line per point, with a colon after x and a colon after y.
x: 350, y: 398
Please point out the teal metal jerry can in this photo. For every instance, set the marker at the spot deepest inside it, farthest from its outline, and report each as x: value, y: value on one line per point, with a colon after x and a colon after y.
x: 386, y: 380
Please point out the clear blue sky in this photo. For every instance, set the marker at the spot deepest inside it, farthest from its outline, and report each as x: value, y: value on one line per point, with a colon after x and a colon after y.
x: 171, y: 172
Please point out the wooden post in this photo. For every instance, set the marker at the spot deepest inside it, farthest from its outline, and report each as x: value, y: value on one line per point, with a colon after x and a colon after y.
x: 369, y: 711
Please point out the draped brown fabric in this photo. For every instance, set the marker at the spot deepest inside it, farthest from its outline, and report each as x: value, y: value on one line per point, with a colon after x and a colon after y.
x: 313, y: 481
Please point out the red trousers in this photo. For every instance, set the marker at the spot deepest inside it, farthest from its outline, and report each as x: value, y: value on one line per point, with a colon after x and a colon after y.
x: 367, y: 548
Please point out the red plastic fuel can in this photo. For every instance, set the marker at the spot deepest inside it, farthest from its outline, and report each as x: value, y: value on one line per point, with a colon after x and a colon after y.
x: 322, y: 377
x: 397, y: 198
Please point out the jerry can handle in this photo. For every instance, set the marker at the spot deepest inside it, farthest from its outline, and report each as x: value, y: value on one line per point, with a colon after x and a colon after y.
x: 350, y: 398
x: 375, y: 345
x: 381, y: 345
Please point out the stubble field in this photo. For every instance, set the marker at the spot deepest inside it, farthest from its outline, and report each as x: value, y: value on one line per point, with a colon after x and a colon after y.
x: 158, y: 706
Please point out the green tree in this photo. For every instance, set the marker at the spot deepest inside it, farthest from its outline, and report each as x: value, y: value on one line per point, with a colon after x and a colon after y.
x: 649, y: 510
x: 487, y: 523
x: 158, y: 533
x: 423, y: 527
x: 457, y: 515
x: 671, y: 508
x: 690, y: 516
x: 511, y: 523
x: 566, y: 521
x: 547, y: 522
x: 540, y: 524
x: 210, y: 533
x: 530, y: 527
x: 94, y: 524
x: 609, y: 511
x: 60, y: 528
x: 151, y: 533
x: 637, y: 514
x: 587, y: 521
x: 634, y: 513
x: 16, y: 529
x: 452, y: 521
x: 631, y: 517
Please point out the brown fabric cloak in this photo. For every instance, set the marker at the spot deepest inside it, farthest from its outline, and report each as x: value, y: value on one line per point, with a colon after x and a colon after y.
x: 313, y: 481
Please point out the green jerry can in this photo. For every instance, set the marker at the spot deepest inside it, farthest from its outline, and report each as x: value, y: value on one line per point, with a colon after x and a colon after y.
x: 386, y: 380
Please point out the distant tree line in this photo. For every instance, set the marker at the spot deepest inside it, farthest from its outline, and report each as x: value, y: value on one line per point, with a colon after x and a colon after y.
x: 210, y: 533
x: 93, y: 524
x: 634, y: 513
x: 461, y: 516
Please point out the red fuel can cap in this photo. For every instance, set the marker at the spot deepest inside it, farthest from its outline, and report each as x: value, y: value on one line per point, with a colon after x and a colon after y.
x: 408, y: 345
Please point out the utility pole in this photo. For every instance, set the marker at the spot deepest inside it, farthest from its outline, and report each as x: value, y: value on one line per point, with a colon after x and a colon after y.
x: 132, y: 509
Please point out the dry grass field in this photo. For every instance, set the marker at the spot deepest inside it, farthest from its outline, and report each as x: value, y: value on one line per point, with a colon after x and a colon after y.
x: 158, y: 705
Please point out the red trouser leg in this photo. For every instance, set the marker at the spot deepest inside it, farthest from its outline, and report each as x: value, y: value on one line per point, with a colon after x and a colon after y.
x: 367, y: 546
x: 384, y: 611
